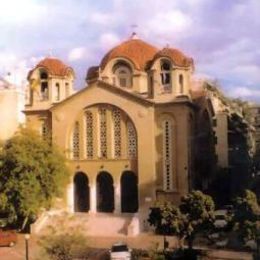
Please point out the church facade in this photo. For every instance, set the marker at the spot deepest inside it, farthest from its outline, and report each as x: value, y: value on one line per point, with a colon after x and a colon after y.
x: 129, y: 135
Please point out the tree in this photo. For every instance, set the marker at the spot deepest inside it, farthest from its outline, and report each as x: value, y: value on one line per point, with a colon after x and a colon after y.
x: 167, y: 220
x: 246, y: 218
x: 32, y: 173
x: 198, y: 214
x: 195, y: 214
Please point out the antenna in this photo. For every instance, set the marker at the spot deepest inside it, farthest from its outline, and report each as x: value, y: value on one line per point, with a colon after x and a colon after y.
x: 134, y: 34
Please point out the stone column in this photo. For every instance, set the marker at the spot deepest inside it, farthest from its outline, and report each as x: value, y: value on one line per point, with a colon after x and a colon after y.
x: 70, y: 197
x: 117, y: 198
x: 93, y: 198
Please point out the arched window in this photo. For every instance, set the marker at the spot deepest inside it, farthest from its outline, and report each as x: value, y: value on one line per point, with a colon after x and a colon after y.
x: 67, y: 89
x: 132, y: 142
x: 166, y: 75
x: 57, y: 96
x: 123, y: 75
x: 89, y: 134
x: 181, y: 84
x: 102, y: 133
x: 167, y: 155
x: 117, y: 132
x: 75, y: 141
x: 44, y: 86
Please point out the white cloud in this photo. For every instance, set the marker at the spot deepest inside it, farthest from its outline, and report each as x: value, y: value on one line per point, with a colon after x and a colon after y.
x: 173, y: 21
x: 15, y: 69
x: 108, y: 40
x: 77, y: 53
x: 102, y: 18
x: 244, y: 92
x: 13, y: 11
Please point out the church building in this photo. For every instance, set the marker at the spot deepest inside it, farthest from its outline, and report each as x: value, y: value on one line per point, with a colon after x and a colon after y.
x: 129, y: 135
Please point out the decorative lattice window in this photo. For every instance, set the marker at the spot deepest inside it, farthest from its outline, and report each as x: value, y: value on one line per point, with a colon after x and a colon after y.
x: 89, y: 134
x: 132, y: 142
x: 117, y: 132
x: 167, y: 154
x: 75, y: 141
x: 103, y: 132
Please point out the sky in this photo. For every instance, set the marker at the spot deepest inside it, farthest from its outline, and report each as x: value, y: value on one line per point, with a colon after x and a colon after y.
x: 223, y: 37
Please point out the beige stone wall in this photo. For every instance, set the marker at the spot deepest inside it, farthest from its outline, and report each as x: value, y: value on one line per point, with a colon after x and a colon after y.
x: 11, y: 104
x: 180, y: 114
x: 142, y: 116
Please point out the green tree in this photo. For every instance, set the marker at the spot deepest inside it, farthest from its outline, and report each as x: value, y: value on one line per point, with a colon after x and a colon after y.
x: 195, y: 214
x: 32, y: 174
x: 167, y: 220
x: 197, y: 209
x: 246, y: 218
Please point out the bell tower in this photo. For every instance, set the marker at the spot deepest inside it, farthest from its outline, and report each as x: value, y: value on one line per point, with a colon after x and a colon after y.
x: 50, y: 82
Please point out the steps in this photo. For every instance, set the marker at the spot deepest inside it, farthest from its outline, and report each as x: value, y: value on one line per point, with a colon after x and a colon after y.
x: 98, y: 224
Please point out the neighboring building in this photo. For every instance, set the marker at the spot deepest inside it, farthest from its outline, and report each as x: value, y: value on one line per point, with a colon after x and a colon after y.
x: 234, y: 137
x: 130, y: 135
x: 12, y: 100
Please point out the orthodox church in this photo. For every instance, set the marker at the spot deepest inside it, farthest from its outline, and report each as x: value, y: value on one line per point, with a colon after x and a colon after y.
x: 130, y: 134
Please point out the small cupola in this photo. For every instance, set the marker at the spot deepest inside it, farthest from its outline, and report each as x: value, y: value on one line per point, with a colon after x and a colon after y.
x: 50, y: 81
x: 171, y: 71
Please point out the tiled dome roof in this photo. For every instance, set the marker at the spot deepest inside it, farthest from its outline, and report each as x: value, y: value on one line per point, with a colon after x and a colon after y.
x: 135, y: 50
x: 176, y: 56
x: 54, y: 66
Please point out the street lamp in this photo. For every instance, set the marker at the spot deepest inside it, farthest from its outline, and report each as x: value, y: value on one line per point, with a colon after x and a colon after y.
x: 27, y: 237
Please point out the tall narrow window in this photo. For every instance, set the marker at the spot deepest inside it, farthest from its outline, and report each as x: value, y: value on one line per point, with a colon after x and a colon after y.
x: 75, y: 141
x: 102, y: 133
x: 117, y: 132
x: 89, y: 134
x: 166, y: 76
x: 67, y: 89
x: 57, y: 96
x: 44, y: 95
x: 132, y: 142
x: 167, y: 155
x: 44, y: 130
x: 181, y: 83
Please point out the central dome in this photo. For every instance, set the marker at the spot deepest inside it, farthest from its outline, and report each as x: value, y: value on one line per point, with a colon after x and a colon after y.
x: 135, y: 50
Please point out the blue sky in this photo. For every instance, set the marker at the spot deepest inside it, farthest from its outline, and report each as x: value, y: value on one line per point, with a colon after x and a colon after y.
x: 223, y: 37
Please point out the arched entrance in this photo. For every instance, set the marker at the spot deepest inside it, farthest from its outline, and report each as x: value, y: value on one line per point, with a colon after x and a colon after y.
x: 81, y: 192
x: 129, y: 192
x: 105, y: 192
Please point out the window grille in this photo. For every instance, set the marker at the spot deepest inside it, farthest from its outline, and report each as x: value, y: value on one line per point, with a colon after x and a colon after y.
x: 117, y: 132
x: 89, y: 134
x: 167, y: 154
x: 132, y: 142
x: 103, y: 132
x: 75, y: 141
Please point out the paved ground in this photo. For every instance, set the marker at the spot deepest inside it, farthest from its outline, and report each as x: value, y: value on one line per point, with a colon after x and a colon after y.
x: 143, y: 241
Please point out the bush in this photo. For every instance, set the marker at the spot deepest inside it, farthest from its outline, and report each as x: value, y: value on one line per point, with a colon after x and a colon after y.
x: 65, y: 245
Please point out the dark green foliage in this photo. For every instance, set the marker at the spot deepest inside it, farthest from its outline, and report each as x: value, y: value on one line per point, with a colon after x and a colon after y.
x: 198, y: 211
x: 246, y: 217
x: 195, y: 214
x: 32, y: 173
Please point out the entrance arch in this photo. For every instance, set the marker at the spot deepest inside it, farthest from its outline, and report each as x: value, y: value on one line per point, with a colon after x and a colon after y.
x: 105, y: 192
x: 81, y: 192
x: 129, y: 192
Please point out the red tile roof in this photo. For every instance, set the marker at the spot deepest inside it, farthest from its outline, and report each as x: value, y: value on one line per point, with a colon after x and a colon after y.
x: 55, y: 67
x: 176, y: 56
x: 135, y: 50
